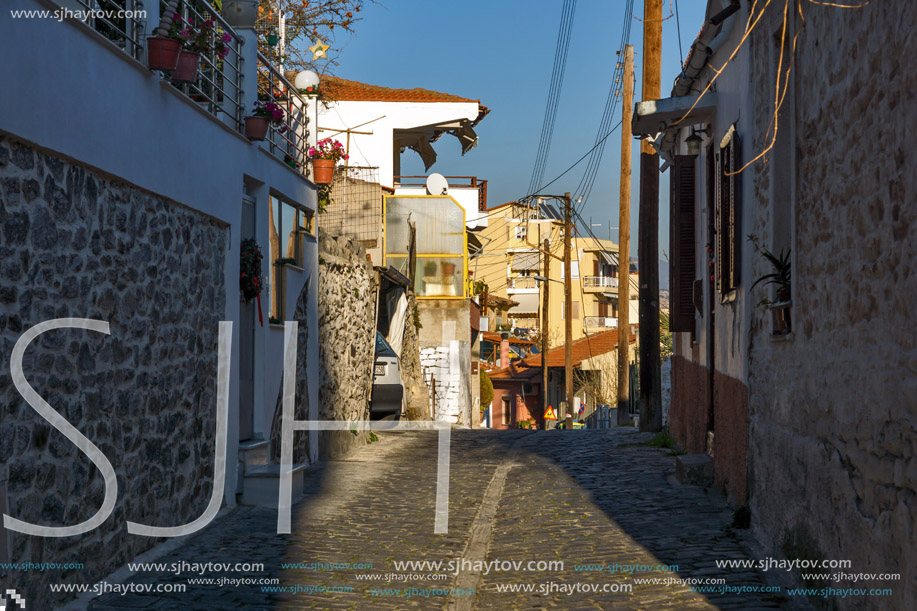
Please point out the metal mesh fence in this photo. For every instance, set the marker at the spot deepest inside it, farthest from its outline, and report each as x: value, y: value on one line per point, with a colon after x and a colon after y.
x: 355, y: 209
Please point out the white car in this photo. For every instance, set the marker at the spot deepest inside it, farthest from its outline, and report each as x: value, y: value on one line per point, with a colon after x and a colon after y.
x: 388, y: 391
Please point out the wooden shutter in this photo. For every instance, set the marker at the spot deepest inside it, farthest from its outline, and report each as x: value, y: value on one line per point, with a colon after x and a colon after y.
x: 728, y: 232
x: 682, y: 243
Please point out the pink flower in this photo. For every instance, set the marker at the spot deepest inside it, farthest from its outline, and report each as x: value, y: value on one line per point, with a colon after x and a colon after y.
x: 226, y: 37
x: 185, y: 34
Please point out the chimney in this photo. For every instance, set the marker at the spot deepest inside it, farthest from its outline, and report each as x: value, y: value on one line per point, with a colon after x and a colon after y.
x: 504, y: 350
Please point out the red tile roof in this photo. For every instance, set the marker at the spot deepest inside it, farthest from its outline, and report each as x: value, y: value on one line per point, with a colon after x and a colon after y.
x: 583, y: 349
x: 514, y: 372
x: 496, y: 338
x: 342, y: 89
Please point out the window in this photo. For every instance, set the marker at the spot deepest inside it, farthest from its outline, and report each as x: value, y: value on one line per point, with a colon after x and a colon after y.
x: 574, y: 308
x: 728, y: 232
x: 574, y: 270
x: 441, y: 250
x: 507, y: 411
x: 682, y: 243
x: 288, y: 224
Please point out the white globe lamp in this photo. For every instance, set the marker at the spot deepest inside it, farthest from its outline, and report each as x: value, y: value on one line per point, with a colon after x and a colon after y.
x: 306, y: 79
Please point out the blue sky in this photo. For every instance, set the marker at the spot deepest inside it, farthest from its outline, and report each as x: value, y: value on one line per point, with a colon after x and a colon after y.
x: 502, y: 52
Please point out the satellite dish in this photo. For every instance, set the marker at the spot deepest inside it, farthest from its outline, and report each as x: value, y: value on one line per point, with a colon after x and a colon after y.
x: 437, y: 184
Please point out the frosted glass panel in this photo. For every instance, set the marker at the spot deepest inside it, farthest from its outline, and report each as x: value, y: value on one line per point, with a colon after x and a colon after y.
x: 440, y: 225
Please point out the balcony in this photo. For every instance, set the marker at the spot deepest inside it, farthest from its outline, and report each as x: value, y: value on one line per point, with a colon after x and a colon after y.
x: 455, y: 182
x: 521, y: 285
x: 469, y: 191
x: 599, y: 284
x: 600, y: 322
x: 288, y: 141
x: 120, y: 21
x: 217, y: 87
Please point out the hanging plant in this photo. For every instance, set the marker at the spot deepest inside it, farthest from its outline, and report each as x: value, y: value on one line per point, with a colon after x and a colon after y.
x: 250, y: 281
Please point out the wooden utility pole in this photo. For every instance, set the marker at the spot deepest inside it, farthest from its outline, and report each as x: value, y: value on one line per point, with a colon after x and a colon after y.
x: 568, y: 303
x: 648, y: 245
x: 624, y: 240
x: 545, y: 308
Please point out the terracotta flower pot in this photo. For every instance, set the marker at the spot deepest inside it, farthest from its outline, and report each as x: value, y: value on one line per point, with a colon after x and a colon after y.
x: 256, y: 128
x: 322, y: 171
x: 162, y: 53
x: 186, y: 70
x: 448, y: 268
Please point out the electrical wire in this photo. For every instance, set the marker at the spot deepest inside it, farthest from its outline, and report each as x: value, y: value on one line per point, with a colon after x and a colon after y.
x: 554, y: 88
x: 584, y: 188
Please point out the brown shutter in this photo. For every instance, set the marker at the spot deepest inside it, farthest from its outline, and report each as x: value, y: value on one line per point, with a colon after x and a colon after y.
x: 735, y: 240
x: 721, y: 212
x: 682, y: 243
x: 728, y: 232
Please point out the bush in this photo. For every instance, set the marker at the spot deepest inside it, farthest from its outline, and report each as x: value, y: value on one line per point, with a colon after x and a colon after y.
x: 487, y: 390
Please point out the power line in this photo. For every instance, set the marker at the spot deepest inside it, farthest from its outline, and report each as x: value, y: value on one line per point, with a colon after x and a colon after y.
x: 554, y: 88
x: 584, y: 189
x: 678, y: 27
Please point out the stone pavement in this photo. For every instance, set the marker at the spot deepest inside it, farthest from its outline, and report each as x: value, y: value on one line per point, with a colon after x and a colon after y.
x: 582, y: 497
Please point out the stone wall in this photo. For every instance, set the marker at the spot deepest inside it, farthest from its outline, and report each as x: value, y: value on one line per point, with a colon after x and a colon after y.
x: 77, y: 243
x: 833, y: 409
x: 416, y: 393
x: 450, y: 394
x: 445, y: 354
x: 688, y: 411
x: 347, y: 337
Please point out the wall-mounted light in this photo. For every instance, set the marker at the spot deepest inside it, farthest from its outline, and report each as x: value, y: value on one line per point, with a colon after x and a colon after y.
x: 693, y: 143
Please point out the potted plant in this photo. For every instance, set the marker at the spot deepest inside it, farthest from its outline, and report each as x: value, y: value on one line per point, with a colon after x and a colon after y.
x: 324, y: 155
x: 162, y: 50
x: 197, y: 40
x: 264, y: 115
x: 781, y: 277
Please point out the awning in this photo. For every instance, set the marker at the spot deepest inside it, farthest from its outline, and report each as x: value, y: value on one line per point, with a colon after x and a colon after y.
x: 610, y: 295
x: 526, y: 261
x: 425, y: 150
x: 610, y: 258
x: 528, y: 304
x: 466, y: 137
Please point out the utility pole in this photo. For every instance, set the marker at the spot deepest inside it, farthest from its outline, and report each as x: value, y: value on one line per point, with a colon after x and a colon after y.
x: 648, y: 246
x: 624, y: 240
x: 568, y: 304
x: 545, y: 308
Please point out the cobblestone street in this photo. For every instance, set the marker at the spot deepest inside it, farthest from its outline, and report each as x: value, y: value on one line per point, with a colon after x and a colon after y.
x: 584, y: 498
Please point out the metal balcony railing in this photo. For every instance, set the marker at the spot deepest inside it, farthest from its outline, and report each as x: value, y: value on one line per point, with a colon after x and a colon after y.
x: 288, y: 142
x: 600, y: 322
x: 218, y: 87
x: 120, y: 21
x: 600, y: 282
x: 521, y: 282
x: 454, y: 181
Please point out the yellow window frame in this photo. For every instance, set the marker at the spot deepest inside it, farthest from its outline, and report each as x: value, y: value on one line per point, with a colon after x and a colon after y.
x: 463, y: 255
